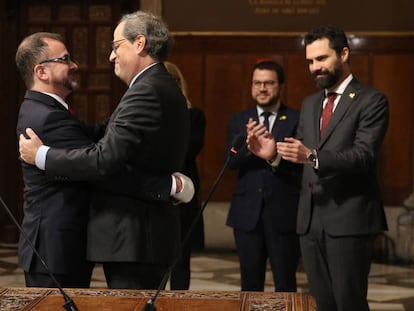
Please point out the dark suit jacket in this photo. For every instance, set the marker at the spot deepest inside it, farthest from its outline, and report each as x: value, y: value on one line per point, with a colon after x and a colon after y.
x: 345, y: 187
x: 55, y: 213
x: 147, y: 133
x: 258, y: 185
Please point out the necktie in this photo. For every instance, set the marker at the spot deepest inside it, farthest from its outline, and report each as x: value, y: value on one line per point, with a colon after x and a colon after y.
x: 71, y: 111
x: 327, y: 112
x: 266, y: 115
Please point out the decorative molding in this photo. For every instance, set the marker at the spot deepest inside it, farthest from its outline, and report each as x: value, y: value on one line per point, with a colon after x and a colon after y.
x: 289, y: 33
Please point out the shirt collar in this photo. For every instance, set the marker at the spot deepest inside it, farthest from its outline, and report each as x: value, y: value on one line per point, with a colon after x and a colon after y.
x: 341, y: 87
x: 140, y: 73
x: 274, y: 110
x: 58, y: 98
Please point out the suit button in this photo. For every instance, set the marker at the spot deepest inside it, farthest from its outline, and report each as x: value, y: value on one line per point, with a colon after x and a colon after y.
x: 260, y: 190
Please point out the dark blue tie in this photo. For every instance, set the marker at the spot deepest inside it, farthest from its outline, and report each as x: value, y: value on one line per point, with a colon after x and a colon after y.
x: 266, y: 115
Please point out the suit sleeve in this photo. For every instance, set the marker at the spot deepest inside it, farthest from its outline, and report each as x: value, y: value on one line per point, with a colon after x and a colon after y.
x: 367, y: 133
x: 136, y: 120
x: 237, y: 126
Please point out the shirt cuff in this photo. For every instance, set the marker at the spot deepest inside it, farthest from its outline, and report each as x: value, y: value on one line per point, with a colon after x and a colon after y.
x: 275, y: 162
x: 173, y: 186
x: 40, y: 159
x: 187, y: 190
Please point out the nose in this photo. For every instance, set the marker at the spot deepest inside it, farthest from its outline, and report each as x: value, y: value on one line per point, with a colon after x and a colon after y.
x: 74, y: 65
x: 315, y: 66
x: 112, y: 56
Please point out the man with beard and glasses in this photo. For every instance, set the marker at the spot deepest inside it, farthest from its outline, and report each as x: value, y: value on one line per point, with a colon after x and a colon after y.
x: 56, y: 212
x: 340, y: 208
x: 263, y: 209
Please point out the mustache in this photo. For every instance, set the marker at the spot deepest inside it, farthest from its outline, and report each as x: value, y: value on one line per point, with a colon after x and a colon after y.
x: 320, y: 72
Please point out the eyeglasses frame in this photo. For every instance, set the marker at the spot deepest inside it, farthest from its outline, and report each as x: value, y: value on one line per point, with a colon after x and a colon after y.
x: 115, y: 47
x: 65, y: 59
x: 266, y: 84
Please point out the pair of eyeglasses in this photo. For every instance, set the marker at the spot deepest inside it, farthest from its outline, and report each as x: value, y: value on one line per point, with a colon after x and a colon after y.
x: 115, y: 46
x: 65, y: 59
x: 257, y: 84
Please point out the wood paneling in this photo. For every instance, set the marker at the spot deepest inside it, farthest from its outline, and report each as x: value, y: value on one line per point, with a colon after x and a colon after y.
x: 87, y: 29
x: 218, y: 72
x: 394, y: 75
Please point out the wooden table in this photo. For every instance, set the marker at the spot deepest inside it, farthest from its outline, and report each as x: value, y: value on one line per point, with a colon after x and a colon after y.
x: 50, y: 299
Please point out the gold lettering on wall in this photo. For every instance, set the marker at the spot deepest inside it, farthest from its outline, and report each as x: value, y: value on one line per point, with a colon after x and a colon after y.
x: 287, y: 7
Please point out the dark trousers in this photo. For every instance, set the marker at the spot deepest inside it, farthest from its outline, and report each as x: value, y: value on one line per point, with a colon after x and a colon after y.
x: 337, y: 268
x: 255, y: 247
x: 40, y: 279
x: 181, y: 274
x: 133, y: 275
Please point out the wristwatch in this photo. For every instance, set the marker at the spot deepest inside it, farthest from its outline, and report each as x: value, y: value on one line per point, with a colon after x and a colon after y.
x: 312, y: 157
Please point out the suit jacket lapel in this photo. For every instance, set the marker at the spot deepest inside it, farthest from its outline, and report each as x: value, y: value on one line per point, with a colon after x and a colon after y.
x: 43, y: 99
x: 349, y: 95
x: 316, y: 115
x: 280, y: 117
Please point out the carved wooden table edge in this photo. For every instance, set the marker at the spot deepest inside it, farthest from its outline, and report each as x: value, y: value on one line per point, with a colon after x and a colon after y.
x: 31, y: 298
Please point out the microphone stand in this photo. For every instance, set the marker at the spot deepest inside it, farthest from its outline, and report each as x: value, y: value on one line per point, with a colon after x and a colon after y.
x: 150, y: 305
x: 69, y: 303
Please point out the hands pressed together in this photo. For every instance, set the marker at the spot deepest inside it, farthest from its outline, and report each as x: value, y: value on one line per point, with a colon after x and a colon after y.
x: 262, y: 143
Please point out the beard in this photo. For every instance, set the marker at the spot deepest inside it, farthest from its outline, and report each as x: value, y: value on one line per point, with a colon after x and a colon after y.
x: 271, y: 101
x: 329, y: 78
x: 70, y: 84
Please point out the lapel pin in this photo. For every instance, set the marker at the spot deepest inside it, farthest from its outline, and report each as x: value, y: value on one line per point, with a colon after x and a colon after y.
x: 283, y: 117
x: 351, y: 95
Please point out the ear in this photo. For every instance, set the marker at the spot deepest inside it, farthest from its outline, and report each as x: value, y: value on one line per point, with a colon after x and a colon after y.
x: 40, y: 72
x: 140, y: 43
x: 345, y: 55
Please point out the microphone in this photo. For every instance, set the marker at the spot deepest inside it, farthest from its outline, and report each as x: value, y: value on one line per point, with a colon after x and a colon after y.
x: 69, y: 303
x: 235, y: 146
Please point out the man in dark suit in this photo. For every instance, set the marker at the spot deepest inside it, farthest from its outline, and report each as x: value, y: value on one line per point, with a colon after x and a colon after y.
x: 264, y: 205
x: 340, y: 209
x: 135, y: 239
x: 56, y: 212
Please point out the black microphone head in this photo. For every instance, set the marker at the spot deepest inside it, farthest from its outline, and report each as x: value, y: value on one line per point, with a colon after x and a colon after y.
x: 149, y: 306
x: 237, y: 142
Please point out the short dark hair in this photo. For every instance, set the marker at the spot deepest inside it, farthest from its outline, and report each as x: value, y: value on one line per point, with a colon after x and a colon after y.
x: 273, y: 66
x: 31, y: 51
x: 336, y: 36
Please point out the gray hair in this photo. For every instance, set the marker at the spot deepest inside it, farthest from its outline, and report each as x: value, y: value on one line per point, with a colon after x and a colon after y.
x: 31, y: 51
x: 155, y: 31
